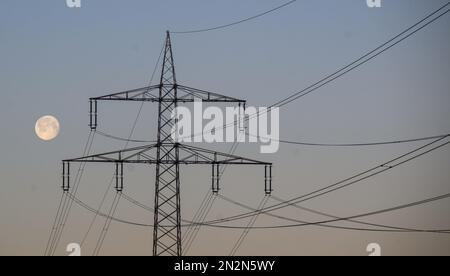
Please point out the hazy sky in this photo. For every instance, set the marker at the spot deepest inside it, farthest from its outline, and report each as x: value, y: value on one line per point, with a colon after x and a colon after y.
x: 54, y: 58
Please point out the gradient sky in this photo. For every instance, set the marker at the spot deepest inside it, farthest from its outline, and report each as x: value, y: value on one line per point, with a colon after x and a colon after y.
x: 54, y: 58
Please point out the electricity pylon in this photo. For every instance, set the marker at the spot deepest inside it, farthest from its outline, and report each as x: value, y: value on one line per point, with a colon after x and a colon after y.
x: 167, y: 155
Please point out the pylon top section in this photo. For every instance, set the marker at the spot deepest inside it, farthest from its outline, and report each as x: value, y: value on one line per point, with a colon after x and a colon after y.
x: 167, y: 93
x: 168, y: 76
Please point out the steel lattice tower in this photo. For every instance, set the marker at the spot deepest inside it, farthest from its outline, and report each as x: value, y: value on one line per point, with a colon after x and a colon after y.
x: 167, y: 186
x: 167, y: 155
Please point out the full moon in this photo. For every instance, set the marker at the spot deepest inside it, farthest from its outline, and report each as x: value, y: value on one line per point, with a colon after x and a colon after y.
x: 47, y: 128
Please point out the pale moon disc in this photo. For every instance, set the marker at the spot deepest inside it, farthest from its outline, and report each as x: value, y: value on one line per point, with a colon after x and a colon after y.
x: 47, y: 128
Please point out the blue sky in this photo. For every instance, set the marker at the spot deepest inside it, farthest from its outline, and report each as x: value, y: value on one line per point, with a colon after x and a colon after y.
x: 54, y: 58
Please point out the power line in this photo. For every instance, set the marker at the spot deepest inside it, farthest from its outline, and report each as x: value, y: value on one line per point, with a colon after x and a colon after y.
x: 385, y: 167
x: 59, y: 214
x: 364, y: 59
x: 396, y: 208
x: 170, y: 155
x: 54, y: 224
x: 104, y: 134
x: 236, y: 22
x: 66, y: 204
x: 413, y: 204
x: 392, y: 228
x: 346, y: 69
x: 343, y: 183
x: 289, y: 202
x: 249, y: 226
x: 108, y: 221
x: 305, y: 143
x: 305, y: 92
x: 410, y: 31
x: 197, y: 224
x: 307, y: 198
x: 127, y: 141
x: 68, y: 208
x: 298, y: 95
x: 221, y: 173
x: 359, y: 177
x: 293, y: 98
x: 97, y: 212
x: 201, y: 213
x: 363, y: 144
x: 188, y: 233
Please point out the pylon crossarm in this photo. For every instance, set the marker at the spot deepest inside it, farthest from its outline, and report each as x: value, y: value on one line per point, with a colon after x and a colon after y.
x: 139, y: 94
x: 186, y: 94
x: 191, y: 94
x: 195, y: 155
x: 189, y: 155
x: 140, y: 154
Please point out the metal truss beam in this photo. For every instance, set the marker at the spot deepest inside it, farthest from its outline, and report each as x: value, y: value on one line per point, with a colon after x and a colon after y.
x: 188, y: 155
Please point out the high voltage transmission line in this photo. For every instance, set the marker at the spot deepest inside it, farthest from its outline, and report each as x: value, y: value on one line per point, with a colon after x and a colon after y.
x: 69, y: 195
x: 344, y: 219
x: 58, y: 227
x: 306, y: 143
x: 397, y: 39
x: 167, y: 155
x: 394, y: 163
x: 386, y: 166
x: 234, y: 23
x: 408, y: 32
x: 127, y: 141
x: 318, y: 223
